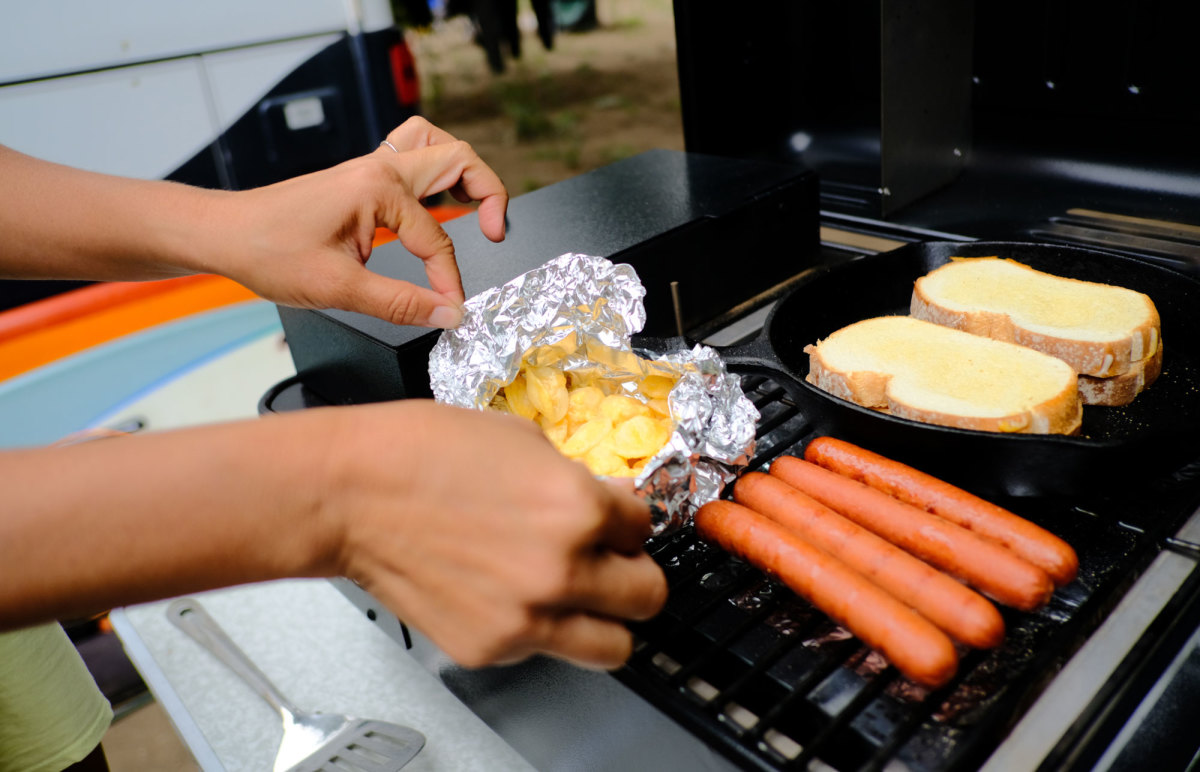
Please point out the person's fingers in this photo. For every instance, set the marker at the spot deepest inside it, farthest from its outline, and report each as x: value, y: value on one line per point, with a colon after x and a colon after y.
x: 417, y: 132
x: 619, y: 586
x: 491, y: 217
x: 459, y: 194
x: 398, y: 302
x: 628, y: 524
x: 589, y: 641
x: 421, y: 234
x: 453, y: 165
x: 435, y: 168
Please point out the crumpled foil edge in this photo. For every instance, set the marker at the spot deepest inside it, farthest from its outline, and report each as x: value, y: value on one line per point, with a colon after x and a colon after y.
x: 588, y: 299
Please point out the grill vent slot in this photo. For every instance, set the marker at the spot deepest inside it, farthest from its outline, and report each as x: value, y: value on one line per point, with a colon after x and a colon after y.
x: 1176, y: 244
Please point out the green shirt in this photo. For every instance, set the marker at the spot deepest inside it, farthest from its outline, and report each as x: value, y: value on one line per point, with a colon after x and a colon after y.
x: 52, y: 714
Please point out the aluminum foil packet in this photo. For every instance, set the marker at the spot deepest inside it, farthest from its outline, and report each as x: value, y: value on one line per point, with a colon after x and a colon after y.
x: 583, y: 311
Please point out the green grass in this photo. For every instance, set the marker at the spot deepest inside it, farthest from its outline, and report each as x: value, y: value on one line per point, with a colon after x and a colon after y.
x: 611, y: 153
x: 529, y: 105
x: 435, y: 92
x: 523, y: 102
x: 569, y: 153
x: 613, y: 102
x: 626, y: 23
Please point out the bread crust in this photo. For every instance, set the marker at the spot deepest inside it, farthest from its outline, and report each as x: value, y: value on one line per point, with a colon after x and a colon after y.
x: 1122, y: 389
x: 1093, y: 357
x: 1060, y: 412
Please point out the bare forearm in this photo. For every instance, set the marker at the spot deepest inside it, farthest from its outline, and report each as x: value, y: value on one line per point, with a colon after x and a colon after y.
x: 60, y: 222
x: 302, y: 242
x: 468, y: 525
x: 117, y: 521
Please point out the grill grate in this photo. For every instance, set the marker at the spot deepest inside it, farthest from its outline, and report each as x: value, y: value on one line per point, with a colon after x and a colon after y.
x: 772, y: 683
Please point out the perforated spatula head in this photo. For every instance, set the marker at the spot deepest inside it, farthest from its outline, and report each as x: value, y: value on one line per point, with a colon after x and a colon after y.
x: 358, y: 744
x: 311, y: 741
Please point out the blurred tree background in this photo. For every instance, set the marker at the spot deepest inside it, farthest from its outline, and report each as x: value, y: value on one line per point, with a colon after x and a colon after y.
x: 601, y: 86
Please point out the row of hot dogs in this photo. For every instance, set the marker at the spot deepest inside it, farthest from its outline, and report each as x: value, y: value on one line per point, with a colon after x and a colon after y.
x: 901, y: 559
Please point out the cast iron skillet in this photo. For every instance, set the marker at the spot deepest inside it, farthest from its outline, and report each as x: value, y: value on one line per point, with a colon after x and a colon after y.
x: 1154, y: 435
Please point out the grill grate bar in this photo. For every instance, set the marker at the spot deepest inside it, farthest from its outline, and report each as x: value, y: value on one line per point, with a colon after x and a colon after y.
x: 865, y: 696
x: 731, y: 692
x: 772, y: 452
x: 830, y: 662
x: 765, y: 398
x: 752, y: 382
x: 787, y: 421
x: 685, y: 623
x: 769, y: 425
x: 704, y: 564
x: 918, y: 714
x: 720, y: 644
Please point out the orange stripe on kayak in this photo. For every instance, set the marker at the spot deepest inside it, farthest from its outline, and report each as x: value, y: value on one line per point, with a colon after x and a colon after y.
x: 81, y: 302
x: 443, y: 213
x: 383, y: 236
x: 103, y: 324
x: 41, y: 332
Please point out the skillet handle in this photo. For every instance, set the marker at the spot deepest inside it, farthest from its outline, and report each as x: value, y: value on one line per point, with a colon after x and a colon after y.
x: 757, y: 358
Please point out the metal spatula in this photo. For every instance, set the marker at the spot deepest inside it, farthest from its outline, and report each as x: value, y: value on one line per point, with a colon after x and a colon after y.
x: 311, y: 741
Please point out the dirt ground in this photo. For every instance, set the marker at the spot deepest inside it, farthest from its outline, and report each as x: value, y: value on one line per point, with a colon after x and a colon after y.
x: 596, y: 97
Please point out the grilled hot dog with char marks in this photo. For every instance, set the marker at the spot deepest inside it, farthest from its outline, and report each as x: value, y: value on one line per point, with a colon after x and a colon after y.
x: 985, y: 565
x: 956, y: 609
x: 1035, y: 544
x: 914, y: 645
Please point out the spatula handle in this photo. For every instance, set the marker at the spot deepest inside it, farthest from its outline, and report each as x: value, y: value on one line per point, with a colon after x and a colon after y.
x: 188, y: 615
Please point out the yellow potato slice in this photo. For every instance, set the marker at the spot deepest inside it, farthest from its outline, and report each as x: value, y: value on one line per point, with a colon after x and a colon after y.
x: 517, y: 396
x: 546, y: 388
x: 587, y: 437
x: 656, y: 386
x: 588, y: 416
x: 660, y: 407
x: 622, y: 407
x: 601, y: 460
x: 640, y: 436
x: 555, y: 431
x: 584, y: 404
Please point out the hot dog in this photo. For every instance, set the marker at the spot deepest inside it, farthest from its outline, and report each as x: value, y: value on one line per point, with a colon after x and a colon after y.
x: 909, y: 641
x: 993, y: 570
x: 1035, y: 544
x: 955, y: 608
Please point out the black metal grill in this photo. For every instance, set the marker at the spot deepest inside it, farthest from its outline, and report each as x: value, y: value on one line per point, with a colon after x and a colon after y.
x: 762, y: 676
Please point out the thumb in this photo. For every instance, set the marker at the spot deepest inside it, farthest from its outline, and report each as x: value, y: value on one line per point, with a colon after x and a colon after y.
x: 400, y: 302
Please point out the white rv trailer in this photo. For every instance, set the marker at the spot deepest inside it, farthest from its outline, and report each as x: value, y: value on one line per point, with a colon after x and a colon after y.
x: 220, y: 93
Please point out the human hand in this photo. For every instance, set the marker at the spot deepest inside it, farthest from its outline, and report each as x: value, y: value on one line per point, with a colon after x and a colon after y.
x: 488, y: 539
x: 305, y: 242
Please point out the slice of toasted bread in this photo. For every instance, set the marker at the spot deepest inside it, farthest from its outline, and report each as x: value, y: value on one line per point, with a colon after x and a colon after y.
x: 1099, y: 329
x: 1121, y: 389
x: 931, y: 373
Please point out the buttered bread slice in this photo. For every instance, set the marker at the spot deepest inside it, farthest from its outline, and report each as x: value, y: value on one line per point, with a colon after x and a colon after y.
x: 1099, y: 329
x: 1118, y: 390
x: 931, y: 373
